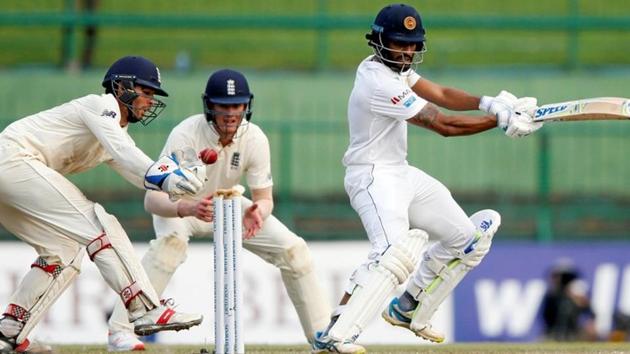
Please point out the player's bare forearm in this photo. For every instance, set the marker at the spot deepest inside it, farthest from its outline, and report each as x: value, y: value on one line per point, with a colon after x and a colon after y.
x: 447, y: 97
x: 158, y: 203
x: 431, y: 118
x: 264, y: 199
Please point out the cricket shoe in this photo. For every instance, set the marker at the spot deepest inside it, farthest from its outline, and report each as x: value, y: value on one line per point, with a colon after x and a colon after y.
x: 324, y: 344
x: 165, y: 318
x: 398, y: 317
x: 123, y: 341
x: 33, y: 347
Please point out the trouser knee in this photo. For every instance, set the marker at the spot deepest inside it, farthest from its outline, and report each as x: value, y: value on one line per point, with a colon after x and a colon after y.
x: 166, y: 253
x: 296, y: 259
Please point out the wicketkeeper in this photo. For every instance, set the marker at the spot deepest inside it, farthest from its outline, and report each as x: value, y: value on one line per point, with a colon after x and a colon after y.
x: 43, y: 208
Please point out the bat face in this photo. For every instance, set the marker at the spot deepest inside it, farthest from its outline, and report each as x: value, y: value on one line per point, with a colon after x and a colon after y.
x: 551, y: 109
x: 600, y: 108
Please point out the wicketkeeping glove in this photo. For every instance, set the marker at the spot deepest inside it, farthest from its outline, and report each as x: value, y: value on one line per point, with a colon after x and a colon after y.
x: 167, y: 175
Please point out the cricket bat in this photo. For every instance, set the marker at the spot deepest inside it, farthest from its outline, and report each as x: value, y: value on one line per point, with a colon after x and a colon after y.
x: 599, y: 108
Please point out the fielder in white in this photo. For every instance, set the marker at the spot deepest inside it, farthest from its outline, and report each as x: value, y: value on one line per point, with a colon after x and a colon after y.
x: 44, y: 209
x: 400, y: 206
x: 243, y: 150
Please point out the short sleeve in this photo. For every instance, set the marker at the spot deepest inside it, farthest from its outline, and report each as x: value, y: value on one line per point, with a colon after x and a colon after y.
x: 259, y: 170
x: 396, y: 100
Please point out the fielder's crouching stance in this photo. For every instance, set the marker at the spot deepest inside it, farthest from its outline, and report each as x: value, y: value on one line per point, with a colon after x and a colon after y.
x: 243, y: 151
x: 401, y: 206
x: 44, y: 209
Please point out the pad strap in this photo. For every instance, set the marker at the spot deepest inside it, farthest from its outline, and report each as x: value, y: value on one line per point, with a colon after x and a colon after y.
x: 129, y: 293
x: 52, y: 269
x: 98, y: 244
x: 438, y: 268
x: 18, y: 312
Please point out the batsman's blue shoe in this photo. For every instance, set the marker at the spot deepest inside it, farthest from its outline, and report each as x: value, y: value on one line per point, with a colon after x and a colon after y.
x: 398, y: 317
x: 324, y: 344
x: 395, y: 316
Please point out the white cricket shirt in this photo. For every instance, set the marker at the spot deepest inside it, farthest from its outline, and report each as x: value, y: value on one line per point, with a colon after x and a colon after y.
x: 247, y: 155
x: 79, y: 135
x: 379, y: 105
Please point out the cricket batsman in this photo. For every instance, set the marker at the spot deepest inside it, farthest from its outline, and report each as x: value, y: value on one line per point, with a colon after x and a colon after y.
x: 43, y: 208
x: 401, y: 206
x: 243, y: 150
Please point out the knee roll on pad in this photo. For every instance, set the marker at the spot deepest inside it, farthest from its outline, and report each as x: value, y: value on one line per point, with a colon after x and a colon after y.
x: 381, y: 279
x: 487, y: 222
x: 401, y: 258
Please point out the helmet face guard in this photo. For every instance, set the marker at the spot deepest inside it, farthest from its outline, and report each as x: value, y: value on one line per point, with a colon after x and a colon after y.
x: 127, y: 73
x: 386, y: 54
x: 400, y: 24
x: 124, y: 90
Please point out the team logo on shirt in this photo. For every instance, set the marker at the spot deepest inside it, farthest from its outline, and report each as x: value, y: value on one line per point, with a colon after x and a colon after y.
x: 402, y: 96
x: 108, y: 113
x: 236, y: 160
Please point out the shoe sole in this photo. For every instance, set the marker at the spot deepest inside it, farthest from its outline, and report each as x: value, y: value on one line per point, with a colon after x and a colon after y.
x: 393, y: 321
x: 146, y: 330
x: 136, y: 348
x: 324, y: 351
x: 397, y: 323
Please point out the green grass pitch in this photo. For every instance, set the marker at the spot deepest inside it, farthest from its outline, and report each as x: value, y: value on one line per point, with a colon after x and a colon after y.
x: 530, y: 348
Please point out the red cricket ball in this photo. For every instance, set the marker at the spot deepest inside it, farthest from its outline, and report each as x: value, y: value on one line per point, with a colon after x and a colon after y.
x: 208, y: 156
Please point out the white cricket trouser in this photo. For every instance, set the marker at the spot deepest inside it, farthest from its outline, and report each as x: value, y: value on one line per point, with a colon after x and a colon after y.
x: 392, y: 199
x: 274, y: 243
x: 47, y: 211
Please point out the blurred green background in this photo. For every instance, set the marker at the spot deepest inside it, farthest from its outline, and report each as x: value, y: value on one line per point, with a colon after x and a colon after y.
x: 567, y: 182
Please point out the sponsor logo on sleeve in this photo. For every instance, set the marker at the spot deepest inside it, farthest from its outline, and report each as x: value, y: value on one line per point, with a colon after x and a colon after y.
x: 396, y: 99
x: 108, y: 113
x: 409, y: 101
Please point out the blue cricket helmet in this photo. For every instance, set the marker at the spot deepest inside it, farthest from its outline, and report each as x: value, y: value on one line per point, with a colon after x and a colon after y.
x: 137, y: 69
x: 227, y: 86
x: 399, y: 23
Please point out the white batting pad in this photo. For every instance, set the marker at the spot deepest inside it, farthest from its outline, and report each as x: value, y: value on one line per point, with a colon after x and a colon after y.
x: 56, y: 287
x: 127, y: 256
x: 367, y: 300
x: 487, y: 222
